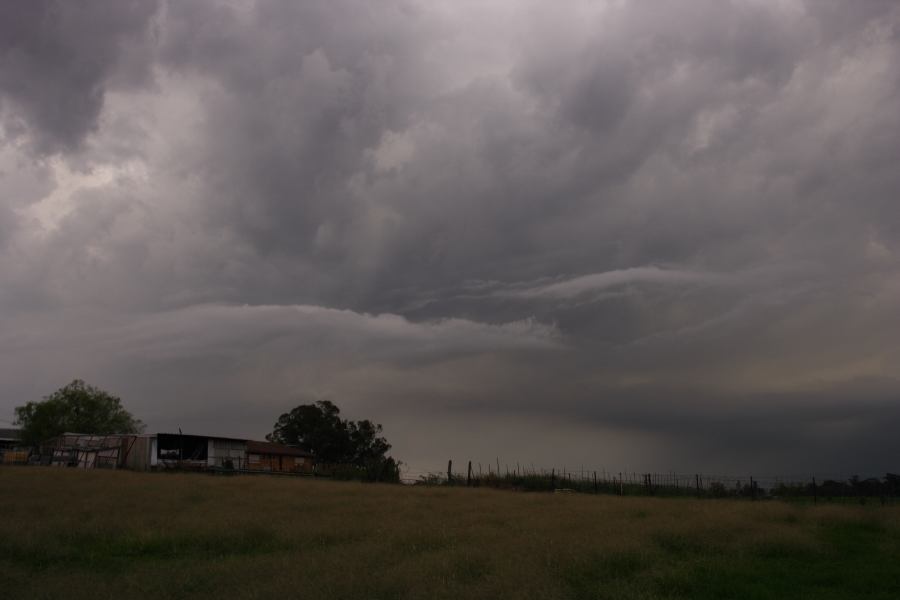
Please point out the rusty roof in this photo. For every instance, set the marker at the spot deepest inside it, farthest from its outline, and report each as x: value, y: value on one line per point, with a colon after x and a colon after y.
x: 272, y: 448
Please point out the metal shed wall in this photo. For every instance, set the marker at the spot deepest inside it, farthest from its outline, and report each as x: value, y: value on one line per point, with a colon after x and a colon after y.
x: 224, y: 452
x: 138, y: 456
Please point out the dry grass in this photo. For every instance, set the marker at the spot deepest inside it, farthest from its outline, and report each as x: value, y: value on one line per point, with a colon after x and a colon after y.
x: 100, y: 534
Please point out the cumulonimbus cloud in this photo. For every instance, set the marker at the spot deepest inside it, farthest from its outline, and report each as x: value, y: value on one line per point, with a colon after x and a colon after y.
x: 512, y: 208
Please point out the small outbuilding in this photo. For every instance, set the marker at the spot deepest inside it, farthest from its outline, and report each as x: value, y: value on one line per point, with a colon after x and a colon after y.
x: 11, y: 451
x: 10, y: 439
x: 268, y: 456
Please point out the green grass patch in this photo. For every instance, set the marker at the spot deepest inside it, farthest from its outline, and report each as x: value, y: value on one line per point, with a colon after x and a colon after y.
x: 852, y: 559
x: 120, y: 534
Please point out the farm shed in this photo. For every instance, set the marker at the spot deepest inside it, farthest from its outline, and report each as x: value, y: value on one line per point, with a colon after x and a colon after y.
x: 145, y: 452
x: 175, y: 450
x: 267, y: 456
x: 88, y: 451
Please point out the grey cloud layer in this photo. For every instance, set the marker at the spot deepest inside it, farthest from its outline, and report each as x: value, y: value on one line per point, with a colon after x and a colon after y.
x: 620, y: 216
x: 58, y: 60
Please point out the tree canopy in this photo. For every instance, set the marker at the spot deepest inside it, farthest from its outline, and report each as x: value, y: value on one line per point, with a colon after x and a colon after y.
x: 319, y: 429
x: 76, y: 407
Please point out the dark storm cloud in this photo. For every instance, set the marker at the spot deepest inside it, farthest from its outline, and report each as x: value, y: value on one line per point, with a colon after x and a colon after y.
x: 657, y: 231
x: 57, y: 59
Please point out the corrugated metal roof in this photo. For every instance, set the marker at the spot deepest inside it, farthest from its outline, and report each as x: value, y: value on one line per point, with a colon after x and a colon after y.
x: 209, y: 437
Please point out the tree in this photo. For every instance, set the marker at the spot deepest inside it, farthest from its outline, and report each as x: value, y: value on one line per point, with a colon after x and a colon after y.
x: 319, y: 429
x: 365, y: 441
x: 316, y: 428
x: 77, y: 407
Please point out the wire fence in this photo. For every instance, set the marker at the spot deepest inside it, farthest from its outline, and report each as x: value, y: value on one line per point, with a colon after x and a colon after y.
x: 814, y: 488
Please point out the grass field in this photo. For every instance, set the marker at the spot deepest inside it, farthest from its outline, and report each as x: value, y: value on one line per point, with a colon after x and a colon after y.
x: 102, y: 534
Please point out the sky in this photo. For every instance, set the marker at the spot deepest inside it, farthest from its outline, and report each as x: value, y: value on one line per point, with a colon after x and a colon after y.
x: 625, y: 235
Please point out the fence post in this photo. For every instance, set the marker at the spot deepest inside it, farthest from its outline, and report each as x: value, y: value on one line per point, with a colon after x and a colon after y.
x: 450, y: 471
x: 815, y: 494
x: 553, y: 478
x: 621, y: 485
x: 752, y: 489
x: 697, y: 482
x: 469, y: 475
x: 595, y: 482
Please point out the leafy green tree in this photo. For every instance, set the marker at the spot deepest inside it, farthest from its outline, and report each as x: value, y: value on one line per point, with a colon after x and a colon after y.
x: 319, y: 429
x: 316, y: 428
x: 366, y: 442
x: 77, y: 407
x: 370, y: 452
